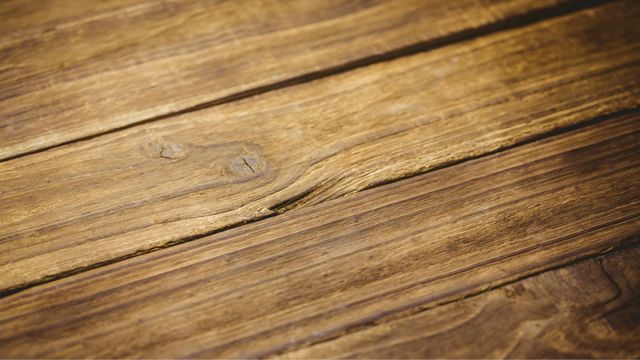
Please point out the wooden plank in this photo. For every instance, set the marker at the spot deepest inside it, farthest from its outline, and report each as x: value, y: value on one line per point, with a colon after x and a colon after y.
x: 314, y: 273
x: 68, y: 72
x: 23, y: 19
x: 170, y: 181
x: 587, y: 310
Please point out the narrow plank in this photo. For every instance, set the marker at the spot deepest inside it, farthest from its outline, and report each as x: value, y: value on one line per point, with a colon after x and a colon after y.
x: 587, y: 310
x: 314, y: 273
x: 68, y: 72
x: 161, y: 183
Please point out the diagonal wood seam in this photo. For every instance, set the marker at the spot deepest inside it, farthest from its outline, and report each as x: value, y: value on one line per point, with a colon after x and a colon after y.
x: 419, y: 309
x: 413, y: 49
x: 427, y: 302
x: 290, y: 203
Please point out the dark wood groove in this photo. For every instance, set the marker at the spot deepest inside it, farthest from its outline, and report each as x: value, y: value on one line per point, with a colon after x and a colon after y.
x: 633, y: 245
x: 461, y: 36
x: 185, y: 281
x: 540, y: 137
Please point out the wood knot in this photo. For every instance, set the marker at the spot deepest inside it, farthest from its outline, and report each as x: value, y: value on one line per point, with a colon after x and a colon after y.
x: 165, y: 150
x: 247, y: 164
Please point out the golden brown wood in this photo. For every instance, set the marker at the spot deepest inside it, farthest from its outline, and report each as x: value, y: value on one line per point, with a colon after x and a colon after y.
x: 315, y: 273
x: 587, y: 310
x: 152, y: 185
x: 23, y: 19
x: 70, y: 71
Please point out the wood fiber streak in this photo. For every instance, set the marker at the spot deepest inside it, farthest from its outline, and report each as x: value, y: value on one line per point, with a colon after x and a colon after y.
x: 587, y: 310
x: 312, y: 274
x: 155, y: 184
x: 68, y: 72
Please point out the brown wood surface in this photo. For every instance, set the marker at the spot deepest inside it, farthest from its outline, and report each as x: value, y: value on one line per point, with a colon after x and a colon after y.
x: 587, y: 310
x: 170, y: 181
x: 69, y: 71
x: 320, y: 179
x: 312, y: 274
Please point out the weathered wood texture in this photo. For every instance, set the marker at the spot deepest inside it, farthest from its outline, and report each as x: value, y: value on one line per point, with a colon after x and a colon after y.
x: 314, y: 273
x: 159, y: 183
x: 587, y: 310
x: 69, y: 71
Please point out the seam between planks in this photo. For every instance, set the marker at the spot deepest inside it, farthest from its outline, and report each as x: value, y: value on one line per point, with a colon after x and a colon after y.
x: 291, y: 202
x: 402, y: 309
x: 387, y: 318
x: 409, y: 50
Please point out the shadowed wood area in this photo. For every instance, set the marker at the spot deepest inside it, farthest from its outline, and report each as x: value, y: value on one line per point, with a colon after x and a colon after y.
x: 72, y: 71
x: 177, y: 179
x: 587, y: 310
x: 315, y: 273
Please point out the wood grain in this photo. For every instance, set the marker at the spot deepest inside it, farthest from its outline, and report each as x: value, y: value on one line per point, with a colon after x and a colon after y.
x: 171, y: 181
x: 587, y: 310
x: 314, y: 273
x: 68, y: 72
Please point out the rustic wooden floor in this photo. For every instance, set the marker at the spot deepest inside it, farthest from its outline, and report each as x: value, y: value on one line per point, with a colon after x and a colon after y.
x: 319, y: 179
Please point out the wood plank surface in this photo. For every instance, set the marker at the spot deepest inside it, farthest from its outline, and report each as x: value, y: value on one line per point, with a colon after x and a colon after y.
x: 312, y: 274
x: 68, y: 72
x: 587, y: 310
x: 170, y: 181
x: 23, y: 19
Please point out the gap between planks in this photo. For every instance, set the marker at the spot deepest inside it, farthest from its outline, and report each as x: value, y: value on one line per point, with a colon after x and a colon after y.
x: 281, y: 208
x: 517, y: 21
x: 356, y: 342
x: 323, y: 270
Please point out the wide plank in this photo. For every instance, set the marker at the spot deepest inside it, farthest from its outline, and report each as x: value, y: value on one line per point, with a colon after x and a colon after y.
x: 174, y: 180
x: 587, y: 310
x: 68, y: 72
x: 314, y: 273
